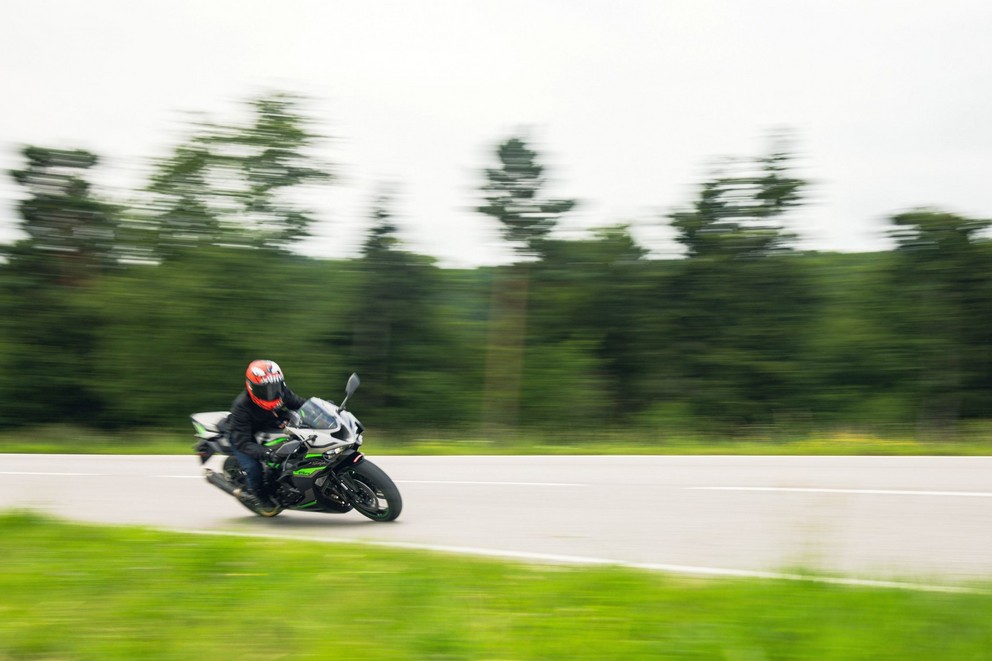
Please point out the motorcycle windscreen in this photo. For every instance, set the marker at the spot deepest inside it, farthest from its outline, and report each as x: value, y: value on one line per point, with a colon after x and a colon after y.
x: 319, y: 414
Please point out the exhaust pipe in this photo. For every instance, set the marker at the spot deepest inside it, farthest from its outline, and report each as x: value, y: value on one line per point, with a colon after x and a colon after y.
x: 222, y: 484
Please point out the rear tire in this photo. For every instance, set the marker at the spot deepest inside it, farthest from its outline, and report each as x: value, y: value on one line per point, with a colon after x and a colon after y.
x: 374, y: 495
x: 234, y: 473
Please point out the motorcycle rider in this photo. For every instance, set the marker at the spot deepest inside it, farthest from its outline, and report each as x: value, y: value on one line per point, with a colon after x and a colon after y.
x: 264, y: 404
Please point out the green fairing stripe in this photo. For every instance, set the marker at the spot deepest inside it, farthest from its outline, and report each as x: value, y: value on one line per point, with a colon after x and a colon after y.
x: 310, y: 504
x: 200, y: 429
x: 308, y: 471
x: 275, y: 441
x: 313, y: 456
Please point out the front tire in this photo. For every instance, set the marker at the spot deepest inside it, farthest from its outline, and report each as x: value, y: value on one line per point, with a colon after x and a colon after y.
x: 374, y: 494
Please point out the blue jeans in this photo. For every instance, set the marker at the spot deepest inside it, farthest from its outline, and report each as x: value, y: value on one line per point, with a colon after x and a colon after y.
x: 253, y: 470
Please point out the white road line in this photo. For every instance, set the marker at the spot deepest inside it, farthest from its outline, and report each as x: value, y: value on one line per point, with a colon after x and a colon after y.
x: 135, y: 475
x: 884, y: 492
x: 554, y: 558
x: 477, y: 482
x: 200, y: 477
x: 52, y: 474
x: 55, y: 474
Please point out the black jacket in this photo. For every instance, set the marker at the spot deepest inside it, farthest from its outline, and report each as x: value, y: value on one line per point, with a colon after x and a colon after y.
x: 247, y: 418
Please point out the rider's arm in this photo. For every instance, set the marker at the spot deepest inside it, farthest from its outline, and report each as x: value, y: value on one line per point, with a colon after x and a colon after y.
x: 291, y: 400
x: 242, y: 437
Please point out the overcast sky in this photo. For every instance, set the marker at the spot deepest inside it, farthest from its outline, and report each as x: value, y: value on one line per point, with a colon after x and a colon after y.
x: 627, y: 101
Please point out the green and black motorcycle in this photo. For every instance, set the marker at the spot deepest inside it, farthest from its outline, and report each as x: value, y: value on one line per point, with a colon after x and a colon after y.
x: 317, y: 465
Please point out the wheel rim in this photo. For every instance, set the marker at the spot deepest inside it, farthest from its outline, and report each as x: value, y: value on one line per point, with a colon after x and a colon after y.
x: 368, y: 499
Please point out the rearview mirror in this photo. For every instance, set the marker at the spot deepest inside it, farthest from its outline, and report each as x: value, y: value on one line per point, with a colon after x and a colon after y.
x: 352, y: 385
x: 350, y: 388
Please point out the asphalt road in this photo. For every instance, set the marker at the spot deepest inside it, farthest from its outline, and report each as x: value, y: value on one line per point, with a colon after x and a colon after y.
x: 920, y: 520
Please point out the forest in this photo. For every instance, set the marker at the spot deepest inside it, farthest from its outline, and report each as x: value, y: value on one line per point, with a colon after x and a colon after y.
x: 133, y: 314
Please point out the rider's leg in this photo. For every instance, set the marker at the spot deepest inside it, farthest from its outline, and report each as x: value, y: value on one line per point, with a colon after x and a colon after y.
x: 253, y: 471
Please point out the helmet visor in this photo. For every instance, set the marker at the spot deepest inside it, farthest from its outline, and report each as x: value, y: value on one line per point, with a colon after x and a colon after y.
x: 267, y: 392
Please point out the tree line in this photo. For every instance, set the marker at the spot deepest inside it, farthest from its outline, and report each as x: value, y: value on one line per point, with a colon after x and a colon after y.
x: 123, y: 315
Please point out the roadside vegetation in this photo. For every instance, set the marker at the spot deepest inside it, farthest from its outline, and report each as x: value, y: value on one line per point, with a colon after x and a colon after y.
x: 975, y: 440
x: 100, y: 593
x: 124, y: 313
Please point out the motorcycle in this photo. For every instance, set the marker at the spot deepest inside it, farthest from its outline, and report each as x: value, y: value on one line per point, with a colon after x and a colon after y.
x: 316, y: 464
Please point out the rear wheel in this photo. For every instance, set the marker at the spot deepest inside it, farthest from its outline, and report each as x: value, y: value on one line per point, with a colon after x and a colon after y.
x: 373, y: 493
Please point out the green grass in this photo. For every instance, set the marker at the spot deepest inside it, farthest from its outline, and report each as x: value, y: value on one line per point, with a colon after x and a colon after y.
x: 72, y: 591
x: 972, y: 441
x: 76, y: 440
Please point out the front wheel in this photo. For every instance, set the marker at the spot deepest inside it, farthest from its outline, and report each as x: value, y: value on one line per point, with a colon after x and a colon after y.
x: 374, y: 494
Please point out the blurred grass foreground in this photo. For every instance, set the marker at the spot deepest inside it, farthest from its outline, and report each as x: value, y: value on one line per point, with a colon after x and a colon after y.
x: 83, y: 592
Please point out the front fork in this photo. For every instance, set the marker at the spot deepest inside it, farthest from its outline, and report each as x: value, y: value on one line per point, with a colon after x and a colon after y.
x: 342, y: 464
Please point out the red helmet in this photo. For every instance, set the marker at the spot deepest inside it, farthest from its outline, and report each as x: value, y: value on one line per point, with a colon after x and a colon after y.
x: 264, y: 382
